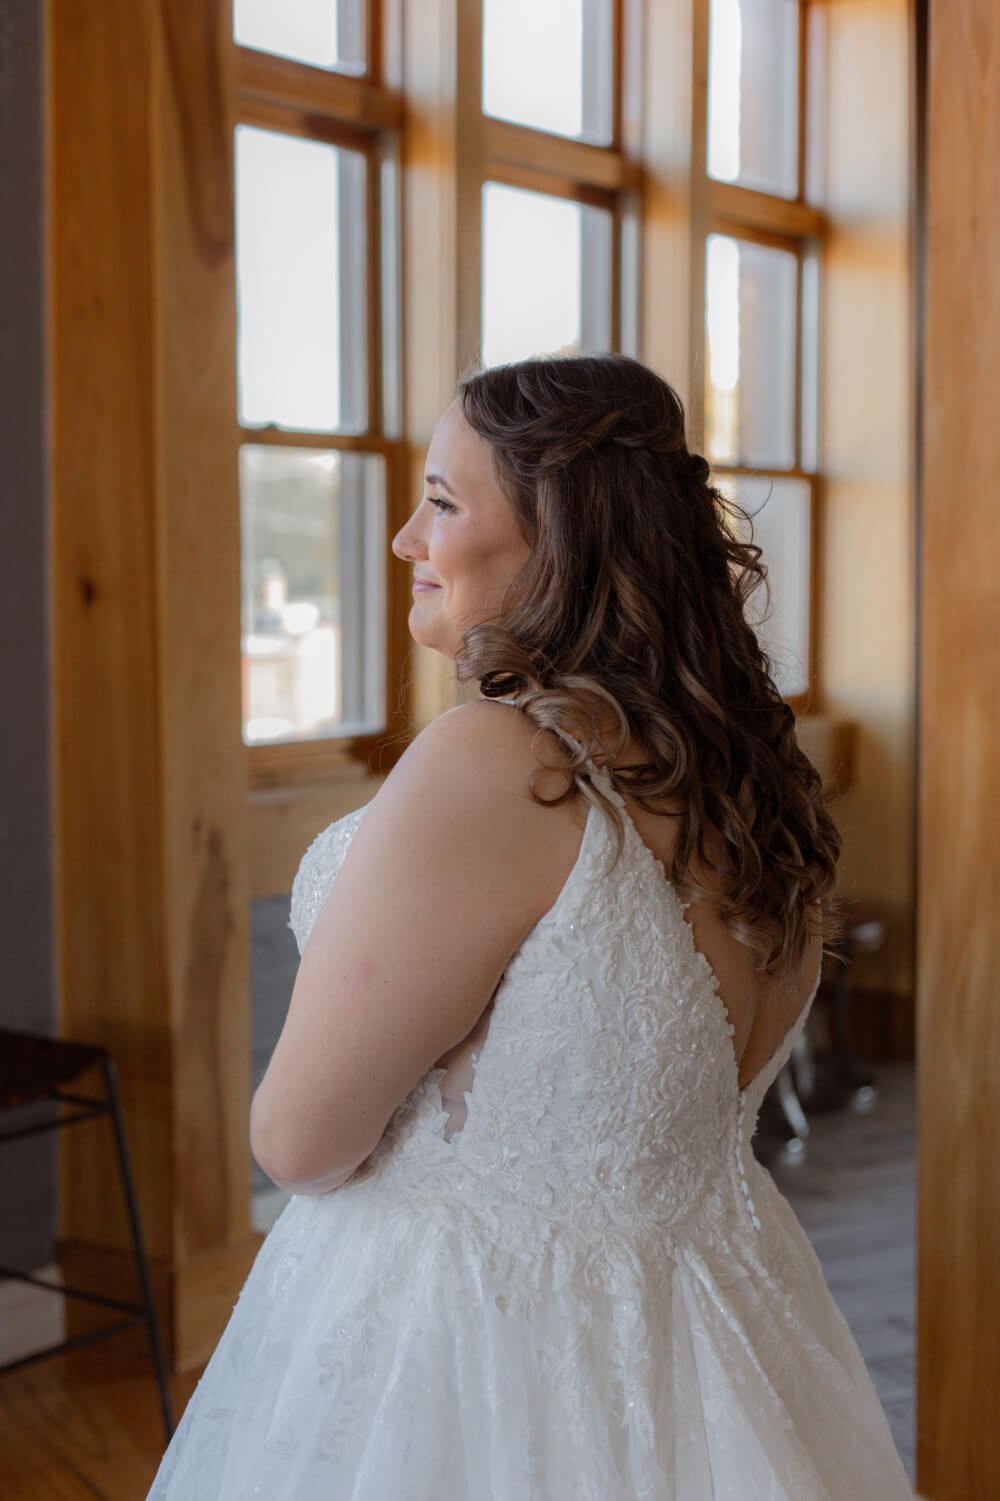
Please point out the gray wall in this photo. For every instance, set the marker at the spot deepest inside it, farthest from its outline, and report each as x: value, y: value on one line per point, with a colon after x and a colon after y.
x: 274, y: 961
x: 27, y: 997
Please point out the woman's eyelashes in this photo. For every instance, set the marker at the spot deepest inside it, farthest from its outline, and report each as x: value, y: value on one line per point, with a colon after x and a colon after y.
x: 440, y: 502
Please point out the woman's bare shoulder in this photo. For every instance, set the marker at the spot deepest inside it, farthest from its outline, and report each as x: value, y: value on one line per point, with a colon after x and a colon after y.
x: 499, y: 746
x: 468, y: 776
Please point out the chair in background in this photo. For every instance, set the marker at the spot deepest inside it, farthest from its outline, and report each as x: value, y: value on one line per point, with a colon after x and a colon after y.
x: 37, y: 1069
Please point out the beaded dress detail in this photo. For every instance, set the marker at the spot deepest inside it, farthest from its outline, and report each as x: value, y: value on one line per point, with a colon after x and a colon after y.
x: 591, y: 1292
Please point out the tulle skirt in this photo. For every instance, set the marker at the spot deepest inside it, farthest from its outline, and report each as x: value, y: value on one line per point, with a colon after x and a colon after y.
x: 380, y: 1355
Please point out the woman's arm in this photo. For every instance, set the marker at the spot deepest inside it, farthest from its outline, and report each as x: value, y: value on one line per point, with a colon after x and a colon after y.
x: 441, y: 883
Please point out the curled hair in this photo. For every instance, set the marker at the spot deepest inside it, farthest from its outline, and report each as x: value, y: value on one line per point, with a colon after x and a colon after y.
x: 632, y: 607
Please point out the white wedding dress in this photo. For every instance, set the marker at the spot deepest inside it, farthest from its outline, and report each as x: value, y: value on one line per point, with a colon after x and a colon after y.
x: 592, y: 1292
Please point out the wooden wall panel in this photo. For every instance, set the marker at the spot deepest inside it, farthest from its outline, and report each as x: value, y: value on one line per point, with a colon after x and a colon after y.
x: 958, y: 1006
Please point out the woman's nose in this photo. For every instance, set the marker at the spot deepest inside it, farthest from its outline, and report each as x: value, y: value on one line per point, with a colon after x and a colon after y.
x: 407, y: 543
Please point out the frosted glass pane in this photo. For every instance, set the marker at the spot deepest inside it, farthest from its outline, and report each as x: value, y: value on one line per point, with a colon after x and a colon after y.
x: 753, y: 94
x: 751, y: 295
x: 781, y: 528
x: 549, y: 64
x: 325, y: 33
x: 300, y: 238
x: 546, y: 276
x: 313, y: 549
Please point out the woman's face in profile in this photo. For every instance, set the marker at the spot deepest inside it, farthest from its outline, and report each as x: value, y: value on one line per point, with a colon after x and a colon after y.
x: 463, y: 539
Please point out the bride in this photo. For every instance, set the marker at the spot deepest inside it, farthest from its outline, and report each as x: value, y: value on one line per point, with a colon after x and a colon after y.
x: 547, y: 976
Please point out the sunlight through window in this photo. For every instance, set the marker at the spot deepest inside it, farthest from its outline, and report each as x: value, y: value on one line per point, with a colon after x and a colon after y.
x: 324, y: 33
x: 549, y: 64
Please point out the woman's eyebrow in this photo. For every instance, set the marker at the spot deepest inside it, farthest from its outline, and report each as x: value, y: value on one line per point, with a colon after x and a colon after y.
x: 438, y: 479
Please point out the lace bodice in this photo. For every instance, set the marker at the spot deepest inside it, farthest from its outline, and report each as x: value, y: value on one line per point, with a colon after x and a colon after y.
x: 605, y: 1097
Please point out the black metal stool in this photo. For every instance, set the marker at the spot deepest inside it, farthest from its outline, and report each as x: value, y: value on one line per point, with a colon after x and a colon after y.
x: 35, y: 1069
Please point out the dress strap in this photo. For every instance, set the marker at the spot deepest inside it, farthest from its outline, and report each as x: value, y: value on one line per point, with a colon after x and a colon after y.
x: 564, y: 734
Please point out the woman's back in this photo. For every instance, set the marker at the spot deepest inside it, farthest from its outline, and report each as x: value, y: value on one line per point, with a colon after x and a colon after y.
x: 761, y: 1010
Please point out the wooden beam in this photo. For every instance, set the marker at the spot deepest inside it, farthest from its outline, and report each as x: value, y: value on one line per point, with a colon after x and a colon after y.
x: 280, y: 437
x: 443, y: 160
x: 318, y: 92
x: 668, y: 281
x: 559, y: 156
x: 958, y: 1046
x: 779, y: 216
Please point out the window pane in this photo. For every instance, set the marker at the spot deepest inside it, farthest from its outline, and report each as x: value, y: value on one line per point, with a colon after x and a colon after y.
x: 780, y: 512
x: 751, y: 324
x: 753, y: 94
x: 325, y: 33
x: 300, y: 255
x: 313, y: 547
x: 546, y: 275
x: 549, y: 64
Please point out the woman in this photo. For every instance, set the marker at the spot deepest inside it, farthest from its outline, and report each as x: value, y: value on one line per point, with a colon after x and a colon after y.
x: 529, y: 1255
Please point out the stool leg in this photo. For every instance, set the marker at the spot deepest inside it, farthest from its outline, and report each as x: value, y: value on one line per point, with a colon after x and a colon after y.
x: 802, y: 1065
x: 131, y: 1203
x: 852, y: 1075
x: 790, y: 1104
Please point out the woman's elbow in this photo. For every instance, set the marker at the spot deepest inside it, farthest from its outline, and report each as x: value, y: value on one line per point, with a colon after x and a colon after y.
x: 288, y: 1160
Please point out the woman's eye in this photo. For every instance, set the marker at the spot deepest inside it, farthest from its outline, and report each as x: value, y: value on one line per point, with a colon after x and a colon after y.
x: 442, y: 504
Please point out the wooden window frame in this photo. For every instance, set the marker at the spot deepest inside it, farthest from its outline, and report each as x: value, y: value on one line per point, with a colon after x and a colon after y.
x: 769, y: 219
x: 359, y: 112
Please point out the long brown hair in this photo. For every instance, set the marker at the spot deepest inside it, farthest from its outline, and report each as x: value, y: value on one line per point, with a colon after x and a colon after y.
x: 632, y: 605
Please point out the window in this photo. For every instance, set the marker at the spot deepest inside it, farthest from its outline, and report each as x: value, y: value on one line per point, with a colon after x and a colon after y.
x: 312, y: 524
x: 762, y: 249
x: 301, y: 282
x: 558, y: 193
x: 751, y: 293
x: 753, y: 94
x: 549, y: 64
x: 546, y: 275
x: 317, y: 382
x: 324, y: 33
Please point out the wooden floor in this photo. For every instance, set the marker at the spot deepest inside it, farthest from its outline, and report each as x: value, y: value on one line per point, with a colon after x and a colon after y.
x: 855, y: 1197
x: 86, y: 1427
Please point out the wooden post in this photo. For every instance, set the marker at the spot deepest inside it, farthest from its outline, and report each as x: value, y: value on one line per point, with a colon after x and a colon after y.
x: 442, y: 159
x: 150, y: 799
x: 958, y: 928
x: 671, y: 286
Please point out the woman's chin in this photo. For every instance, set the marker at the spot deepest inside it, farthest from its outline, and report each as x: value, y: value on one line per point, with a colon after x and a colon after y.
x: 432, y: 640
x: 423, y: 631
